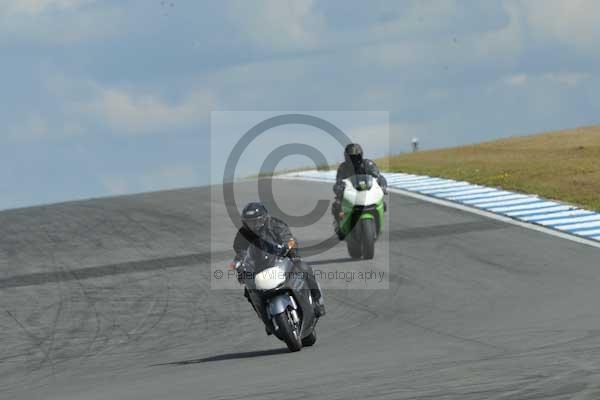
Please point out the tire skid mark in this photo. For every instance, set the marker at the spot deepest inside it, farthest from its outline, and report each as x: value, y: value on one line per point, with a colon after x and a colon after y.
x: 38, y: 342
x: 90, y: 303
x: 138, y: 336
x: 52, y: 335
x: 128, y: 267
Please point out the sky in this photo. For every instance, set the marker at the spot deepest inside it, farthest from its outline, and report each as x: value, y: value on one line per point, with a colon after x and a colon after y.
x: 110, y: 97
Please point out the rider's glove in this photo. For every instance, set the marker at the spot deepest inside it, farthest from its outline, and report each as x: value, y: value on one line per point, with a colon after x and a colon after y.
x: 295, y: 258
x: 291, y: 244
x: 239, y: 268
x: 293, y: 250
x: 241, y: 273
x: 233, y: 265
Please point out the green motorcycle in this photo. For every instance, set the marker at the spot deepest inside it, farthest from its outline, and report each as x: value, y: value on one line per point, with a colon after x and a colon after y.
x: 361, y: 220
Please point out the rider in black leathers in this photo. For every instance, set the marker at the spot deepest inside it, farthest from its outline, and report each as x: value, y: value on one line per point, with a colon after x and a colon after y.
x: 261, y: 230
x: 354, y: 164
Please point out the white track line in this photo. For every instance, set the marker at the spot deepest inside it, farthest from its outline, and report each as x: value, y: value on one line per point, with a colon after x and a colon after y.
x: 430, y: 186
x: 410, y: 180
x: 504, y: 197
x: 574, y: 227
x: 450, y: 189
x: 497, y: 217
x: 478, y: 196
x: 471, y: 193
x: 522, y: 201
x: 538, y: 211
x: 590, y: 232
x: 571, y: 220
x: 531, y: 206
x: 552, y: 215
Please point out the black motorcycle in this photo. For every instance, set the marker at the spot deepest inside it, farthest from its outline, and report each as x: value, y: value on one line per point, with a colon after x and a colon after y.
x: 280, y: 295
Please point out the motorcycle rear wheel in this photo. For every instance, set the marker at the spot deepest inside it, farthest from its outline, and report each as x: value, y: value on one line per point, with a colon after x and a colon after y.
x: 354, y: 248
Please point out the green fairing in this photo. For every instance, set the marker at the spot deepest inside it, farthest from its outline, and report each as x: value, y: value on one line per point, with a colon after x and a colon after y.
x: 347, y: 207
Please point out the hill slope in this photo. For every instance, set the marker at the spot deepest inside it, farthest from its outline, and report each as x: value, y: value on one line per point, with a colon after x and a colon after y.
x: 562, y: 165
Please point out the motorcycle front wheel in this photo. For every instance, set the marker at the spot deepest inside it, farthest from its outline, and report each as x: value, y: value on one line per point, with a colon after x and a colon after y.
x: 368, y: 230
x: 288, y: 331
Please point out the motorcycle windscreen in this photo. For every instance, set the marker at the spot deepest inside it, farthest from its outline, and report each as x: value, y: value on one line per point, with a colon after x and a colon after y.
x: 366, y: 197
x: 270, y: 269
x: 361, y: 182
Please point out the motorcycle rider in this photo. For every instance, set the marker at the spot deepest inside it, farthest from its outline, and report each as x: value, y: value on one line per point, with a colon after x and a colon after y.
x: 354, y: 164
x: 260, y: 229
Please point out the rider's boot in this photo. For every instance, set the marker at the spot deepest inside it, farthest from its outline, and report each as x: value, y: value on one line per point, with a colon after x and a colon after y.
x: 318, y: 302
x: 320, y: 308
x: 268, y: 329
x: 338, y: 231
x: 336, y: 209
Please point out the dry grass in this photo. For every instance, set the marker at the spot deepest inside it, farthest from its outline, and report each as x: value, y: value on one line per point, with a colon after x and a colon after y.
x: 561, y: 165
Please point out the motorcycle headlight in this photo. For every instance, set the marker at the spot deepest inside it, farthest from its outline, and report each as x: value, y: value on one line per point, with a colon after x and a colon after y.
x: 269, y: 279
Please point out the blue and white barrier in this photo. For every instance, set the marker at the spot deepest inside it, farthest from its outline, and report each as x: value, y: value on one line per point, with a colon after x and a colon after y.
x: 530, y: 209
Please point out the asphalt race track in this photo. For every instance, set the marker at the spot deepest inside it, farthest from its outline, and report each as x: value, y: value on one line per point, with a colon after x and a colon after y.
x: 111, y: 299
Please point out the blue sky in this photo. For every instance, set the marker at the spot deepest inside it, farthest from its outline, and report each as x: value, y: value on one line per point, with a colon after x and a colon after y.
x: 114, y: 97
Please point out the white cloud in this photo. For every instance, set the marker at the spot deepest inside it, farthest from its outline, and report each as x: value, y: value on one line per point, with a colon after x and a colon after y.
x: 568, y: 79
x: 57, y: 22
x: 73, y: 128
x: 382, y: 139
x: 163, y: 178
x: 505, y: 43
x: 131, y: 112
x: 36, y: 7
x: 84, y: 105
x: 278, y: 24
x: 375, y: 138
x: 571, y: 22
x: 498, y: 46
x: 115, y: 185
x: 41, y: 127
x: 425, y: 17
x: 516, y: 80
x: 34, y: 127
x: 176, y: 176
x: 395, y: 55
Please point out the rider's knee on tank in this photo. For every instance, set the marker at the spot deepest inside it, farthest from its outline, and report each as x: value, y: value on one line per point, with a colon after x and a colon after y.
x: 336, y: 207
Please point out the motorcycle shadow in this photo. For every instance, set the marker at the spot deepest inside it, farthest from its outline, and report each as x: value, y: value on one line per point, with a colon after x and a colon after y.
x: 229, y: 356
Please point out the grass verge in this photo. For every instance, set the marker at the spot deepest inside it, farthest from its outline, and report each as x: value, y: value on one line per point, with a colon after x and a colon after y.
x: 563, y: 165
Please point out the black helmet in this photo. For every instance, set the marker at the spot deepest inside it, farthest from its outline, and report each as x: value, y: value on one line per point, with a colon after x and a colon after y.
x: 254, y: 216
x: 353, y: 154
